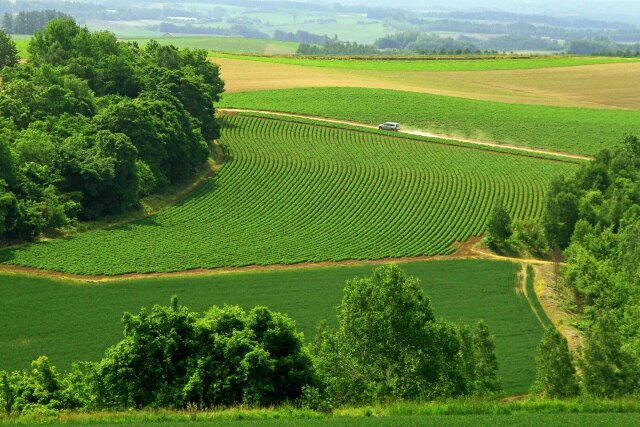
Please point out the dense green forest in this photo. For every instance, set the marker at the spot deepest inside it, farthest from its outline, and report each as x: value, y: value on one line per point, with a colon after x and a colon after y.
x: 595, y: 217
x: 593, y: 220
x: 90, y: 125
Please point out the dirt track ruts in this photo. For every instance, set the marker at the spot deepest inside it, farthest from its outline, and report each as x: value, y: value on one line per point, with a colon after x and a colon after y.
x: 464, y: 250
x: 413, y: 132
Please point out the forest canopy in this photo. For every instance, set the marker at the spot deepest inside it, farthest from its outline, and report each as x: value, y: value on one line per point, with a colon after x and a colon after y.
x: 90, y: 125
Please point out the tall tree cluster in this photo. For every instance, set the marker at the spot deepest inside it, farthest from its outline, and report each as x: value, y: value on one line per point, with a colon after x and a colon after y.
x: 90, y: 125
x: 594, y: 217
x: 389, y: 345
x: 30, y: 22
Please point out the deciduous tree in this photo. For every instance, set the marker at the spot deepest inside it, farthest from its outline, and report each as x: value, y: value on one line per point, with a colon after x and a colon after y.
x: 555, y: 373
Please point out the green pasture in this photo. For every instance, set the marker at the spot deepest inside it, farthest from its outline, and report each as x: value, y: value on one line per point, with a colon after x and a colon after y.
x: 435, y: 63
x: 290, y: 192
x: 348, y: 27
x: 22, y: 43
x: 70, y: 321
x: 569, y: 129
x: 223, y: 44
x: 509, y: 420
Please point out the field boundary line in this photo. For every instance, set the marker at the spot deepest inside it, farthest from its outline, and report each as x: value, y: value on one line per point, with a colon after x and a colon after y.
x: 414, y: 132
x: 466, y: 250
x: 52, y: 274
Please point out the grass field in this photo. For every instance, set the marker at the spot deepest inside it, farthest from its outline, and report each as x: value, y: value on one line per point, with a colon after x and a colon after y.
x: 77, y: 321
x: 291, y: 193
x: 22, y: 42
x: 510, y: 420
x: 575, y: 130
x: 435, y: 64
x: 224, y: 44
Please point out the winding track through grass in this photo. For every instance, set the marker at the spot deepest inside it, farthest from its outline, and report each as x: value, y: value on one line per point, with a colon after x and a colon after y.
x: 413, y: 132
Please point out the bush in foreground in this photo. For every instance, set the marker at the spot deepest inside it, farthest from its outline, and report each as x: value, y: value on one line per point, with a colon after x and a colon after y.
x: 389, y: 345
x: 172, y: 357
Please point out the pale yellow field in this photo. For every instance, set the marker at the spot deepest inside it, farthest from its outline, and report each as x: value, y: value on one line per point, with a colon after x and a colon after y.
x: 597, y: 86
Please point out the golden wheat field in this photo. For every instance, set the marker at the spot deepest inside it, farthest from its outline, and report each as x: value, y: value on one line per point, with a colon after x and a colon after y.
x: 592, y: 86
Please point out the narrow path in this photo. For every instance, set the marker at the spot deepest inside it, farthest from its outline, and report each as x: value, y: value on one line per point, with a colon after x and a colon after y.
x: 464, y: 250
x: 524, y: 275
x: 31, y: 271
x: 414, y: 132
x: 534, y: 261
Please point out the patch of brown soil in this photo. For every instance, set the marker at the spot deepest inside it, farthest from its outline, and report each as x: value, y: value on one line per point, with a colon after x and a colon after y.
x: 550, y: 299
x: 588, y: 86
x: 463, y: 251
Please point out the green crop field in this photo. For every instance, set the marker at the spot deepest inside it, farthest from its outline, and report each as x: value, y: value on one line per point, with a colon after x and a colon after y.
x: 291, y: 192
x: 76, y: 321
x: 224, y: 44
x: 435, y: 64
x: 22, y: 42
x: 575, y: 130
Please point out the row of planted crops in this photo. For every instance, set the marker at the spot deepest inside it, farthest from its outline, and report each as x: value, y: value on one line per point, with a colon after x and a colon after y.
x: 291, y: 192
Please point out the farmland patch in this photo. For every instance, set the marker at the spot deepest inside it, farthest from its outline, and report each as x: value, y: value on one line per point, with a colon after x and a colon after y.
x: 70, y: 321
x: 574, y: 130
x: 290, y: 193
x: 590, y: 86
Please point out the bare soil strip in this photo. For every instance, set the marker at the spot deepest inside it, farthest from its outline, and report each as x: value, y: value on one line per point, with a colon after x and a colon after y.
x: 550, y: 300
x: 413, y: 132
x: 464, y: 250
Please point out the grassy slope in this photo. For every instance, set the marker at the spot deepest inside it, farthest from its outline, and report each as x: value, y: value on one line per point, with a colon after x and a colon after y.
x: 291, y: 193
x: 576, y: 130
x: 225, y: 44
x: 70, y: 321
x: 435, y: 64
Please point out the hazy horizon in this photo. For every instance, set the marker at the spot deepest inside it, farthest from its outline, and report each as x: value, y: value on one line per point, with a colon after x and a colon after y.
x: 623, y: 10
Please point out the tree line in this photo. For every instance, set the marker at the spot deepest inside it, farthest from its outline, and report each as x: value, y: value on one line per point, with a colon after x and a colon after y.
x: 424, y: 43
x: 90, y: 125
x: 602, y: 47
x: 237, y: 30
x: 304, y: 37
x: 337, y: 48
x: 388, y: 345
x: 592, y: 220
x: 29, y: 22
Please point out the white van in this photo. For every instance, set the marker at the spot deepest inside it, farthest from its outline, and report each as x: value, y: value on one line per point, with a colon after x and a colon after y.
x: 389, y: 126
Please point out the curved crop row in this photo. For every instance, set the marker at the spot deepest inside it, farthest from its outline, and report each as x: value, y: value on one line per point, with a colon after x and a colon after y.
x: 291, y: 193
